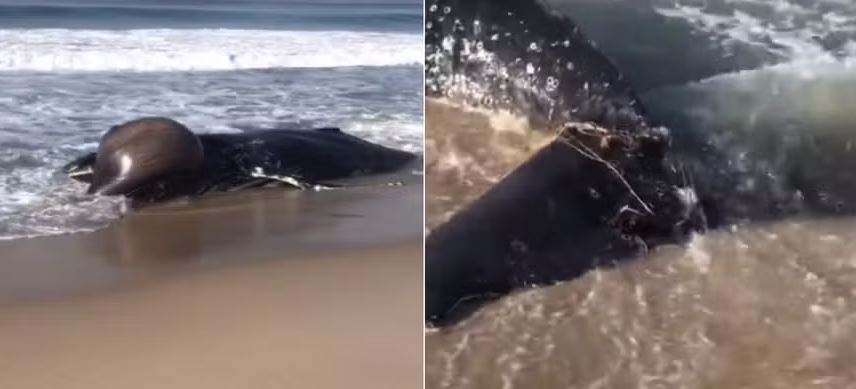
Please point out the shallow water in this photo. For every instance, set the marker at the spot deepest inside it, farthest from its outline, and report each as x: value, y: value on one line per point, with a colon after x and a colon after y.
x: 223, y: 229
x: 213, y: 66
x: 767, y: 306
x: 467, y: 152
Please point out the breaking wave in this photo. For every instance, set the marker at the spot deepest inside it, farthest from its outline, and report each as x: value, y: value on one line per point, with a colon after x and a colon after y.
x: 159, y: 50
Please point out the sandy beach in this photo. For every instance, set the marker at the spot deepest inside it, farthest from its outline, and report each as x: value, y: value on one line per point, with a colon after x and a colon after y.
x: 261, y: 289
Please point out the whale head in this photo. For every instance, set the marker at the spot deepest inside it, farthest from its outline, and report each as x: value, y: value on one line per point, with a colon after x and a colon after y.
x: 142, y: 151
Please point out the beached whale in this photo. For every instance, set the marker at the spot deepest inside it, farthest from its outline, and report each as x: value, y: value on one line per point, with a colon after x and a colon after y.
x: 604, y: 190
x: 155, y: 159
x: 609, y: 186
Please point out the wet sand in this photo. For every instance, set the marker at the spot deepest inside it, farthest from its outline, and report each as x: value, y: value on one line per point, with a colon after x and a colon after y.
x: 264, y: 289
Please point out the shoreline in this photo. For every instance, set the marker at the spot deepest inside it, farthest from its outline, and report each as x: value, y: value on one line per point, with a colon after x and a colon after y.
x: 268, y: 288
x: 212, y: 232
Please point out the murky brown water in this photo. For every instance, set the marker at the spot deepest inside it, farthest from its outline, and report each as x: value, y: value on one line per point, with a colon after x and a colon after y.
x: 467, y: 152
x: 764, y: 306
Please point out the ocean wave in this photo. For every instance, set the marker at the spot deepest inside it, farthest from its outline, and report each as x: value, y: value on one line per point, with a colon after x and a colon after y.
x: 792, y: 30
x: 250, y: 14
x: 165, y: 50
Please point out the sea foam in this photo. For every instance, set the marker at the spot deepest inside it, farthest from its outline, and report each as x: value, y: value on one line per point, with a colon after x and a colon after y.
x: 154, y: 50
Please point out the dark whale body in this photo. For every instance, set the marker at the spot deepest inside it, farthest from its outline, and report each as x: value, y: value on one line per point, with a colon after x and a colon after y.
x: 225, y: 162
x: 605, y: 190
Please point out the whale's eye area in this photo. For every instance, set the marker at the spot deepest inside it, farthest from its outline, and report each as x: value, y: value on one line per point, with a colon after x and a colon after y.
x: 141, y: 152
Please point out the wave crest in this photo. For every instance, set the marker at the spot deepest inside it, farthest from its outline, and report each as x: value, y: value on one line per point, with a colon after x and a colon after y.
x: 153, y: 50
